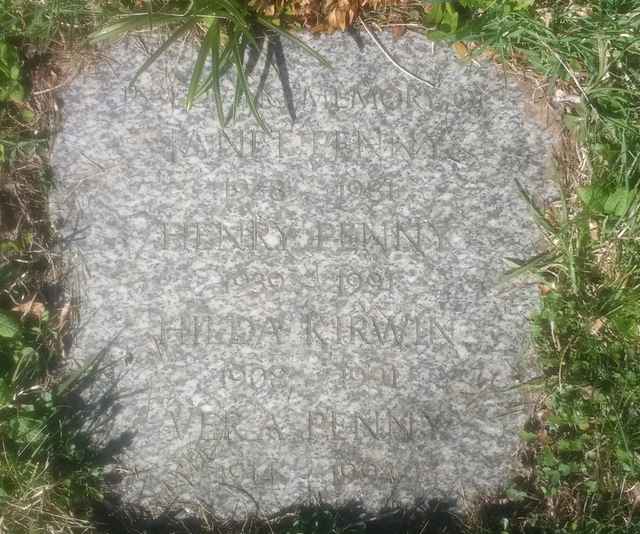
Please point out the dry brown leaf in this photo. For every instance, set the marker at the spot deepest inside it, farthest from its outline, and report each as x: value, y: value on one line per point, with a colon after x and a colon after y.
x: 338, y: 19
x: 30, y: 308
x: 544, y: 290
x: 398, y: 31
x: 597, y: 325
x: 542, y: 436
x: 461, y: 50
x: 23, y: 309
x: 341, y: 13
x: 633, y: 494
x: 37, y: 310
x: 309, y: 12
x: 64, y: 315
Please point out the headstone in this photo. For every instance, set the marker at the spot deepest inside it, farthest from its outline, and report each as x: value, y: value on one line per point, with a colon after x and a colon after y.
x: 314, y: 311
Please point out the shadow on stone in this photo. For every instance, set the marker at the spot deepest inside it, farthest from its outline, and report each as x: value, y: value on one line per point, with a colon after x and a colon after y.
x: 93, y: 411
x: 357, y: 37
x: 283, y: 75
x: 432, y: 517
x: 275, y: 59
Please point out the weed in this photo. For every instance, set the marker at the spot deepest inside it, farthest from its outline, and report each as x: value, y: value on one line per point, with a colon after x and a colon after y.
x: 11, y: 88
x: 38, y: 23
x: 48, y: 475
x: 46, y: 466
x: 229, y: 27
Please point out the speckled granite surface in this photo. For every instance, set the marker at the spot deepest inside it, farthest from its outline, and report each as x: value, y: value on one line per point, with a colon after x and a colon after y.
x: 313, y: 311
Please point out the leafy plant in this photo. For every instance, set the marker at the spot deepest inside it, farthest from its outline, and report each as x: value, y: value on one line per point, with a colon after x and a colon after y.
x: 230, y: 28
x: 445, y: 19
x: 38, y: 22
x: 8, y: 326
x: 47, y: 467
x: 11, y: 88
x: 608, y: 201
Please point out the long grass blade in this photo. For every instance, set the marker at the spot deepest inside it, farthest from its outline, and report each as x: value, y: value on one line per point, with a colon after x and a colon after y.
x: 532, y: 265
x: 131, y: 23
x: 172, y: 39
x: 238, y: 52
x: 237, y: 94
x: 215, y: 71
x: 196, y: 74
x: 539, y: 215
x: 238, y: 17
x: 224, y: 64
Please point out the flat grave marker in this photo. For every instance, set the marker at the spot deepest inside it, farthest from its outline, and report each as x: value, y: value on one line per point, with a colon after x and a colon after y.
x: 312, y: 311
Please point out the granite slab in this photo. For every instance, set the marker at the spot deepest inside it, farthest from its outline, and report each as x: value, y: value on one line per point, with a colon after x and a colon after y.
x: 312, y: 312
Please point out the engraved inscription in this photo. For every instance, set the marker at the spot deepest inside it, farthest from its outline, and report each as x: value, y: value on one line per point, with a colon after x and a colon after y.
x: 207, y: 425
x: 312, y: 309
x: 401, y: 330
x: 415, y: 236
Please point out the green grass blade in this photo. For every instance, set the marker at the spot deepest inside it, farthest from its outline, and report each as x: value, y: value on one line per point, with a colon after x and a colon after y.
x: 196, y: 75
x: 296, y: 40
x: 238, y: 92
x: 131, y: 23
x: 238, y: 52
x: 240, y: 21
x: 237, y: 95
x: 215, y: 71
x: 532, y: 265
x: 539, y: 215
x: 238, y: 17
x: 224, y: 64
x: 88, y: 368
x: 172, y: 39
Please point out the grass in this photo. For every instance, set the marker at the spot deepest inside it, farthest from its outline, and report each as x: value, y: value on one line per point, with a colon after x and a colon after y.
x: 47, y: 469
x: 49, y: 477
x: 229, y: 29
x: 581, y: 463
x: 586, y: 442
